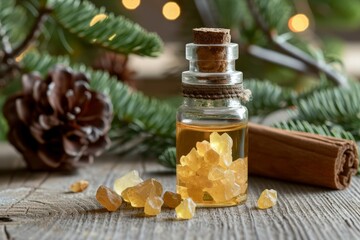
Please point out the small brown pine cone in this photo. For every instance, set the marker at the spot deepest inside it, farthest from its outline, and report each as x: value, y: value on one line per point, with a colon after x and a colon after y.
x: 58, y: 123
x: 116, y: 65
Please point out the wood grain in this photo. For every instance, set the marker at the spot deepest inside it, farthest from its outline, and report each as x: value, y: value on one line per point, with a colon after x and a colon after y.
x: 39, y: 206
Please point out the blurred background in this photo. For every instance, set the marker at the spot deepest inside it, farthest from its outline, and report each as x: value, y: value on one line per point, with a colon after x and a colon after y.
x: 330, y: 25
x: 297, y: 57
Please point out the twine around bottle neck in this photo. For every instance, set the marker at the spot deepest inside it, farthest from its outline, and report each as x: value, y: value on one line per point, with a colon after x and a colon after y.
x: 216, y: 91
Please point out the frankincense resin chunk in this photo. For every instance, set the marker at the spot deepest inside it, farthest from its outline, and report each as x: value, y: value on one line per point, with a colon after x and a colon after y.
x: 267, y: 199
x: 138, y: 194
x: 216, y: 173
x: 184, y: 173
x: 240, y: 169
x: 171, y: 200
x: 212, y: 157
x: 202, y: 147
x: 192, y: 160
x: 79, y: 186
x: 153, y: 205
x: 186, y: 209
x: 130, y: 179
x: 204, y: 169
x: 218, y: 192
x: 108, y: 198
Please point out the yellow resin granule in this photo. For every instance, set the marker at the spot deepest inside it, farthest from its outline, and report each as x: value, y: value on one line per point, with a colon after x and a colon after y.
x: 240, y: 168
x: 186, y: 209
x: 171, y: 200
x: 108, y: 198
x: 153, y: 205
x: 212, y: 157
x: 79, y: 186
x: 267, y: 199
x: 130, y: 179
x: 192, y: 160
x: 202, y: 147
x: 184, y: 173
x: 138, y: 194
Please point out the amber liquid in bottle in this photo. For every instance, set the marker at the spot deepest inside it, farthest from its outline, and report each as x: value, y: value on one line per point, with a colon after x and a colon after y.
x: 228, y: 184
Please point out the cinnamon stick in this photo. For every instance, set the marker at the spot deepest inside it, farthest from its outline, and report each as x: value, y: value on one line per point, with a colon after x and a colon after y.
x: 301, y: 157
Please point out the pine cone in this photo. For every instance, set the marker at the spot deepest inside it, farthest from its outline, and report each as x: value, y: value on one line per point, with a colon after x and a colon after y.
x: 116, y: 65
x: 58, y: 123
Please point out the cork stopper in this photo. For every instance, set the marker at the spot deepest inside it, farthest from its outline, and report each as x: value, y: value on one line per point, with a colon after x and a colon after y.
x: 211, y: 35
x: 211, y: 58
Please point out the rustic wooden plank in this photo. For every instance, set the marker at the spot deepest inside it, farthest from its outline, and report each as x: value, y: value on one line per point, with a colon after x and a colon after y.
x: 39, y: 206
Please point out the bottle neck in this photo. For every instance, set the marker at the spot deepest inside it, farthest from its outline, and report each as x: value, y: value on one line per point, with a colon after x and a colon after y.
x: 212, y: 79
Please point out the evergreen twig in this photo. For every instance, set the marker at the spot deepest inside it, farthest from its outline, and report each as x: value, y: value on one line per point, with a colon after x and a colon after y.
x: 114, y: 32
x: 292, y: 51
x: 6, y: 46
x: 277, y: 58
x: 304, y: 126
x: 168, y: 158
x: 34, y: 32
x: 268, y: 97
x: 9, y: 53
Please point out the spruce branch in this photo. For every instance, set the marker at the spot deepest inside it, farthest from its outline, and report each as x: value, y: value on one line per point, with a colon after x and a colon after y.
x: 260, y: 22
x: 168, y: 158
x: 333, y: 106
x: 304, y: 126
x: 292, y: 51
x: 5, y: 43
x: 315, y: 67
x: 114, y: 33
x: 34, y: 32
x: 126, y: 37
x: 9, y: 53
x: 277, y: 58
x: 267, y: 97
x: 6, y: 48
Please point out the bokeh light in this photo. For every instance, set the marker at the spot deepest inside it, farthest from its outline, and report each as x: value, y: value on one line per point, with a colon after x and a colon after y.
x: 298, y: 23
x: 97, y: 18
x: 171, y: 10
x: 131, y: 4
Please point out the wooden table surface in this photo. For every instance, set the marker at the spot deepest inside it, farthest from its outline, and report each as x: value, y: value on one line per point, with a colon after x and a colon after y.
x: 39, y: 206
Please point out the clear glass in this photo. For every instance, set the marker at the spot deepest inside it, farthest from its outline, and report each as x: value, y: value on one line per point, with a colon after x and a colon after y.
x: 220, y: 178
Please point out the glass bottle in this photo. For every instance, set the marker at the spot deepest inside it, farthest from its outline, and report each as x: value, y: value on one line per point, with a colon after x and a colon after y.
x: 211, y: 129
